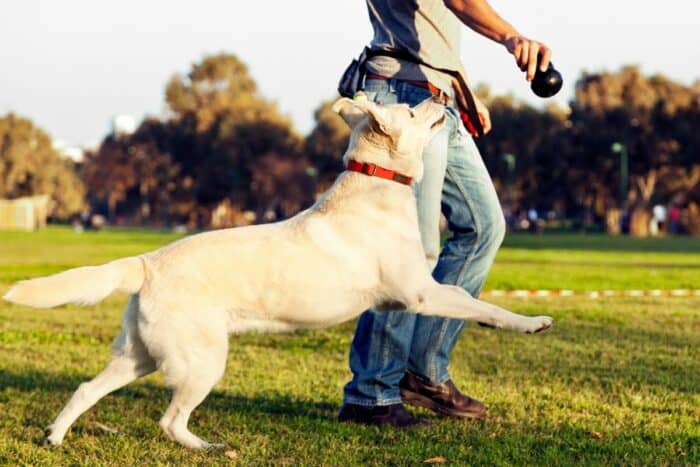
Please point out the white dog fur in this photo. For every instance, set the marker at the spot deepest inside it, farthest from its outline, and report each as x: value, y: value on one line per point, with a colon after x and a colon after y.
x: 358, y: 247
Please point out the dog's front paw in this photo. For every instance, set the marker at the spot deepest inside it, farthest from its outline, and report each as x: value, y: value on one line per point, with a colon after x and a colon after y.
x: 538, y: 324
x: 50, y: 438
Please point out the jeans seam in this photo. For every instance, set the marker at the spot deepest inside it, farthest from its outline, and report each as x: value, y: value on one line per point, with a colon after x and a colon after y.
x: 433, y: 376
x: 385, y: 357
x: 443, y: 329
x: 470, y: 204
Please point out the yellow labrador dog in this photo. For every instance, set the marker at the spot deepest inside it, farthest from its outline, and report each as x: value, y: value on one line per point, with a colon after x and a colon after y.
x: 357, y: 247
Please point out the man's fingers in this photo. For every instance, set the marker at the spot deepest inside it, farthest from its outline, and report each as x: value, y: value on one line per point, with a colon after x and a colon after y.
x: 546, y: 55
x: 529, y: 55
x: 532, y: 60
x: 517, y: 50
x: 485, y: 120
x: 524, y: 54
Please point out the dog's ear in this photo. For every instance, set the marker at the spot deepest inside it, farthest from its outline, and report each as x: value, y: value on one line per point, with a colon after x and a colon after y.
x: 354, y: 111
x: 378, y: 119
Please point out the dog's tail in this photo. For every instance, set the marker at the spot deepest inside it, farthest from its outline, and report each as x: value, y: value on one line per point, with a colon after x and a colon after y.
x: 84, y: 286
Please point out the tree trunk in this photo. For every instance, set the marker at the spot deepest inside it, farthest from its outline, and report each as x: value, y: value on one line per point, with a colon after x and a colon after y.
x: 691, y: 219
x: 111, y: 207
x: 613, y: 217
x: 639, y: 222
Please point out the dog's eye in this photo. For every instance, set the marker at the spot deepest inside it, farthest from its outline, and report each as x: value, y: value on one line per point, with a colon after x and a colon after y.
x: 412, y: 113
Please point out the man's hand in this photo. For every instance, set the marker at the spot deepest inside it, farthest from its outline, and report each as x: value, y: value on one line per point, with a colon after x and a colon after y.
x: 526, y: 52
x: 478, y: 15
x: 484, y: 115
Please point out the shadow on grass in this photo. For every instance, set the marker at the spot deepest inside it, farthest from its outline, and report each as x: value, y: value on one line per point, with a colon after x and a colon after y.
x: 302, y: 427
x: 221, y: 401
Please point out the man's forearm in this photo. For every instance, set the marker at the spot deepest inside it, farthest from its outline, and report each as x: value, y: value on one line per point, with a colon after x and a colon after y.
x: 479, y: 16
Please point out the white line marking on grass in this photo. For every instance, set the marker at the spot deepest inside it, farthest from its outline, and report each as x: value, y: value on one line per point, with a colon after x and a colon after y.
x: 522, y: 293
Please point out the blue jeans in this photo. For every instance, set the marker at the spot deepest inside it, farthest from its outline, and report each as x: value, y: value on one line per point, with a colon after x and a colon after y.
x: 457, y: 183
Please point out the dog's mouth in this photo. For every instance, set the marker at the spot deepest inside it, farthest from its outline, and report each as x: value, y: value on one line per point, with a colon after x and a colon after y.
x: 438, y: 122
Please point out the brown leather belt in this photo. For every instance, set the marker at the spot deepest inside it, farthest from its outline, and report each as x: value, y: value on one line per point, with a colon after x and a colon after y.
x: 441, y: 95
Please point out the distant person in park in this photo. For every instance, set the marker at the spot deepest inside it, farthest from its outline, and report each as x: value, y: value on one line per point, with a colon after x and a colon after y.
x: 398, y: 355
x: 659, y: 212
x: 674, y: 219
x: 534, y: 219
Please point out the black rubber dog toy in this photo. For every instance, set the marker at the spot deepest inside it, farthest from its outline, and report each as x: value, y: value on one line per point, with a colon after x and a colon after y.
x: 547, y: 83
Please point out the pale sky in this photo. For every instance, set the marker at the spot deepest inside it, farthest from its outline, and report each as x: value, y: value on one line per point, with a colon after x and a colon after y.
x: 71, y: 65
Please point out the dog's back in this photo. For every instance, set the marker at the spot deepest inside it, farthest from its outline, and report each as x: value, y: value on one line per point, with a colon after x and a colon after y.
x: 313, y: 270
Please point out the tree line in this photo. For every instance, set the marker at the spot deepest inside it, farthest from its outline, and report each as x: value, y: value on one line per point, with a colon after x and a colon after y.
x: 225, y: 155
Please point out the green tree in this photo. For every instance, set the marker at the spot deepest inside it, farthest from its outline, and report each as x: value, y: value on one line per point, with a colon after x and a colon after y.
x: 529, y: 141
x: 564, y: 158
x: 221, y: 143
x: 650, y: 117
x: 223, y: 125
x: 29, y: 165
x: 109, y: 173
x: 134, y: 172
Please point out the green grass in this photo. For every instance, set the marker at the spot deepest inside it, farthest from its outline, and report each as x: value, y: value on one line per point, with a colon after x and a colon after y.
x: 594, y: 262
x: 615, y: 382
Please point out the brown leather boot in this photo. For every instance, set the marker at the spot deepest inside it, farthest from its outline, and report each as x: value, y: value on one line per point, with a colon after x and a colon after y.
x: 444, y: 399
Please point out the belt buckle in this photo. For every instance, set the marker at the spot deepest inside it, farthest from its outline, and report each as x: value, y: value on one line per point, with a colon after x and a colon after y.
x: 370, y: 169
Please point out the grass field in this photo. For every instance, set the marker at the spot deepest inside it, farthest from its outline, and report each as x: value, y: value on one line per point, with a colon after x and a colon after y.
x: 615, y: 382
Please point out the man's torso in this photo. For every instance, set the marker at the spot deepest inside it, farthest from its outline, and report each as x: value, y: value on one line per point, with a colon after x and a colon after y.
x: 425, y: 29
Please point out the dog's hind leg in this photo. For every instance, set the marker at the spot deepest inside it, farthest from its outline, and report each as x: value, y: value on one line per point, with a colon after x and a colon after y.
x: 130, y: 361
x: 192, y: 377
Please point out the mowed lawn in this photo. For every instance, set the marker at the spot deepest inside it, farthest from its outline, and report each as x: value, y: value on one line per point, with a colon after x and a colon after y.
x: 615, y: 382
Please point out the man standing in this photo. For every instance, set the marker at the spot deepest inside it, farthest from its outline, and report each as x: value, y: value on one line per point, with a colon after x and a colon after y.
x: 398, y: 357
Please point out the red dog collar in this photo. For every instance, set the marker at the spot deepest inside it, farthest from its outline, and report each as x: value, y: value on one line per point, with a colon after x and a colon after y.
x: 373, y: 170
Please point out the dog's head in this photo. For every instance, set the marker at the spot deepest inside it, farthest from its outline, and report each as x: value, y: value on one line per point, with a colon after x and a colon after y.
x: 391, y: 136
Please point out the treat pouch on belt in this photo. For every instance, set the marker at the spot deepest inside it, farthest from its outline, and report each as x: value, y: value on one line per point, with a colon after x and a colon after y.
x: 353, y: 78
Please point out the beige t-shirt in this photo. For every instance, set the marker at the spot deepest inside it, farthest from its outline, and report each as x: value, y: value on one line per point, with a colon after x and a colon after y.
x: 426, y: 29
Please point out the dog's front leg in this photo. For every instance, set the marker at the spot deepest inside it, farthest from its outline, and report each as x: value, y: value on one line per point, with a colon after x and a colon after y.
x: 454, y: 302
